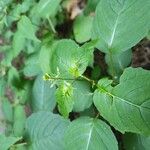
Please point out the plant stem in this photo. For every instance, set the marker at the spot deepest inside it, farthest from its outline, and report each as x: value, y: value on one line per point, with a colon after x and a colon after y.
x: 91, y: 81
x: 51, y: 25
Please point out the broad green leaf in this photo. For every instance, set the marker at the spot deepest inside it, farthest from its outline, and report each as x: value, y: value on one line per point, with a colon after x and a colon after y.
x: 46, y: 131
x: 43, y: 95
x: 46, y: 8
x: 116, y: 26
x: 118, y: 62
x: 68, y: 60
x: 64, y: 98
x: 27, y: 29
x: 32, y: 66
x: 82, y: 28
x: 82, y: 95
x: 7, y: 142
x: 136, y: 141
x: 89, y: 134
x: 127, y: 105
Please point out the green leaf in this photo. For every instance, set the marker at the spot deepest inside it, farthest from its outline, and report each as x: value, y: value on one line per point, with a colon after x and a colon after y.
x: 127, y: 105
x: 13, y: 76
x: 18, y: 43
x: 116, y: 26
x: 43, y: 95
x: 88, y: 49
x: 118, y: 62
x: 7, y: 142
x: 64, y: 99
x: 90, y: 6
x: 148, y: 35
x: 19, y: 120
x: 32, y: 66
x: 82, y: 28
x: 136, y: 141
x: 82, y: 95
x: 7, y: 110
x: 68, y: 60
x: 89, y: 134
x: 44, y: 58
x: 46, y: 8
x: 27, y: 28
x: 46, y: 131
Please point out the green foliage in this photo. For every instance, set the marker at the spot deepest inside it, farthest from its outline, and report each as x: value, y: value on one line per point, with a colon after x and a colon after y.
x: 82, y: 25
x: 68, y: 60
x: 43, y: 95
x: 46, y: 130
x: 64, y: 99
x: 130, y: 96
x: 136, y: 141
x: 57, y: 91
x: 45, y: 9
x: 116, y: 26
x: 88, y: 133
x: 7, y: 142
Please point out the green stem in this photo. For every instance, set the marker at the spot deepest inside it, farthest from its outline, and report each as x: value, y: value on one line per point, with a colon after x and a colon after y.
x: 51, y: 25
x: 48, y: 77
x: 89, y: 80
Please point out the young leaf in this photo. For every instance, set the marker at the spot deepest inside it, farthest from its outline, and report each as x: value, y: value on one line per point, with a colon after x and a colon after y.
x: 89, y: 134
x: 82, y: 28
x: 116, y: 26
x: 64, y: 99
x: 43, y: 95
x: 68, y: 59
x: 82, y: 95
x: 136, y: 141
x: 7, y: 142
x: 46, y: 131
x: 126, y: 106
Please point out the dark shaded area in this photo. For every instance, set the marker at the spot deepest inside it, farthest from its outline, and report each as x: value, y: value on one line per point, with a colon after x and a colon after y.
x: 141, y: 54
